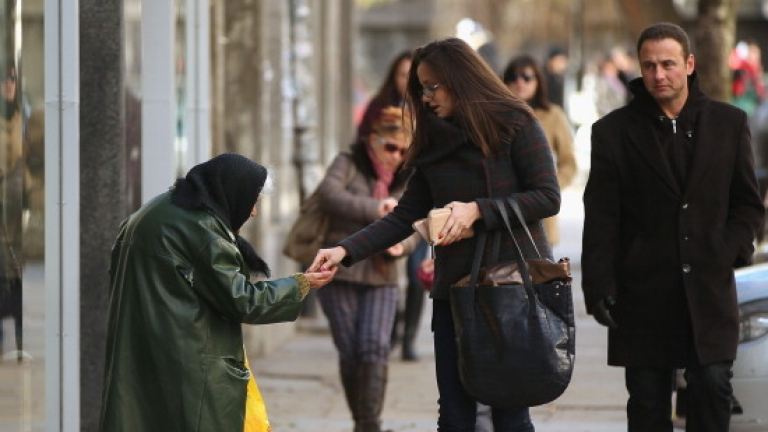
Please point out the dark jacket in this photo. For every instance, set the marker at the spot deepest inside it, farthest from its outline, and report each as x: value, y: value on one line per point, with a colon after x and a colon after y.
x: 179, y: 293
x: 454, y: 169
x: 345, y: 194
x: 666, y: 252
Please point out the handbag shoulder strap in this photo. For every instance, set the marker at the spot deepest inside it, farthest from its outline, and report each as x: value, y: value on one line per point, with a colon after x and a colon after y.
x: 480, y: 246
x: 519, y: 214
x: 522, y: 267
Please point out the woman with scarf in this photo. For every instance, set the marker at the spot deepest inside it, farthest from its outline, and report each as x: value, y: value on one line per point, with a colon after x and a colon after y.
x: 180, y: 289
x: 360, y: 187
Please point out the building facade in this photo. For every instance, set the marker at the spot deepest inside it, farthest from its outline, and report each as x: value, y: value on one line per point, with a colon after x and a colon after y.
x: 106, y: 103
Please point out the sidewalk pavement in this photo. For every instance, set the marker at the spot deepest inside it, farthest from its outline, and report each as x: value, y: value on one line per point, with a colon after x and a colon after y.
x: 300, y: 382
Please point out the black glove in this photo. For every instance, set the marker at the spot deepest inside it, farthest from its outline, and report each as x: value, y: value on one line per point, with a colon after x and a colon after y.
x: 602, y: 312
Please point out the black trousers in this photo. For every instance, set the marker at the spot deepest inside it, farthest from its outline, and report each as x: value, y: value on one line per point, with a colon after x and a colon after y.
x: 649, y: 408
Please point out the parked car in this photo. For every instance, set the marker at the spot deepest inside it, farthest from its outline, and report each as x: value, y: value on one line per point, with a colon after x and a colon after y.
x: 750, y: 370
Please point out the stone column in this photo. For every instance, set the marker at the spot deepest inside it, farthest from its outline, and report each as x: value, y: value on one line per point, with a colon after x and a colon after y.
x: 101, y: 192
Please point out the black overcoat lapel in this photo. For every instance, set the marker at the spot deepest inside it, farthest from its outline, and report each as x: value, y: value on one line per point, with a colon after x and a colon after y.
x: 640, y: 134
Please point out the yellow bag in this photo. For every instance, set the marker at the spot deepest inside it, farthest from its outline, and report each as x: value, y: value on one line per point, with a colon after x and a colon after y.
x: 255, y: 411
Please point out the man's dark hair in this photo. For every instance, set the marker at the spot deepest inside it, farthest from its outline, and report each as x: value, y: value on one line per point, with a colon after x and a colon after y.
x: 665, y: 30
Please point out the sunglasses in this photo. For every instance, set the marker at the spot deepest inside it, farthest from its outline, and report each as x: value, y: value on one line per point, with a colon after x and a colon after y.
x: 391, y: 147
x: 525, y: 77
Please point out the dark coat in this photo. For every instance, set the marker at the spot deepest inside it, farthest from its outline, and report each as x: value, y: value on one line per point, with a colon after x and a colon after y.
x: 179, y: 293
x: 454, y: 169
x: 667, y: 252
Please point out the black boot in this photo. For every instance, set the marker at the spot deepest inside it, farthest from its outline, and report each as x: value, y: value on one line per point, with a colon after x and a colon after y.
x: 371, y: 386
x: 394, y: 337
x: 414, y: 301
x: 349, y: 372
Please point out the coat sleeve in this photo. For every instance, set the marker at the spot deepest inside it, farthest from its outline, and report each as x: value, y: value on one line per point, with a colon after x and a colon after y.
x: 746, y: 210
x: 218, y: 278
x: 562, y: 145
x: 532, y: 161
x: 602, y: 219
x: 394, y: 227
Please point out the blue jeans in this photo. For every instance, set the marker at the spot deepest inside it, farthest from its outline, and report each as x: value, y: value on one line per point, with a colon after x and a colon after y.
x: 458, y: 410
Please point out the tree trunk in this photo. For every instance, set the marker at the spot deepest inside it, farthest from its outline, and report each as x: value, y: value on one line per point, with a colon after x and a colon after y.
x: 713, y: 38
x: 642, y: 13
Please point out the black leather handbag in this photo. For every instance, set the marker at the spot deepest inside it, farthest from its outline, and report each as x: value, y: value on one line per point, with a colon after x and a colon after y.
x: 516, y: 341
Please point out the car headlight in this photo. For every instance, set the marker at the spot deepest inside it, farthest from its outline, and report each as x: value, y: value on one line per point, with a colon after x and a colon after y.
x: 753, y: 320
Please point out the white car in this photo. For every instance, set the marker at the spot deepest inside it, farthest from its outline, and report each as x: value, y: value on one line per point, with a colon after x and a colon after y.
x: 750, y: 370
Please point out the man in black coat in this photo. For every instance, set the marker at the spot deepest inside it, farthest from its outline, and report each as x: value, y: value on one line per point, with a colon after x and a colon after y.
x: 671, y: 207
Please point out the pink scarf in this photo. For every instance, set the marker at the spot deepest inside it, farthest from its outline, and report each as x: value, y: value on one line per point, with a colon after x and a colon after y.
x: 384, y: 176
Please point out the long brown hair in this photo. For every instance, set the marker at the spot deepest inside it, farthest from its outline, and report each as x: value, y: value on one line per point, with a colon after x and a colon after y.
x: 481, y: 101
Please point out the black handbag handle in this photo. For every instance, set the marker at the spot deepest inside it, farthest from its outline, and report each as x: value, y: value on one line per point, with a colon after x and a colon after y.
x: 519, y: 214
x: 521, y: 266
x: 480, y: 246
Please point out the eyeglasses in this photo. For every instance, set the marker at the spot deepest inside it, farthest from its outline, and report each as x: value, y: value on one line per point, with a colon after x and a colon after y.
x: 525, y: 77
x: 9, y: 78
x: 391, y: 147
x: 429, y: 91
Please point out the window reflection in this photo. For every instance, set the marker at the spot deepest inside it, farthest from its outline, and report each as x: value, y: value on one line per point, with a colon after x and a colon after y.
x: 132, y: 89
x: 11, y: 171
x: 22, y: 294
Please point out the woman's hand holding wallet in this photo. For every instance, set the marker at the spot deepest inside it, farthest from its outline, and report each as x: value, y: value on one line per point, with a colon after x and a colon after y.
x: 449, y: 224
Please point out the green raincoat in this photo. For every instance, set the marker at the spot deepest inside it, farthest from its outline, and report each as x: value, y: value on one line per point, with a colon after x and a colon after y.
x: 179, y: 293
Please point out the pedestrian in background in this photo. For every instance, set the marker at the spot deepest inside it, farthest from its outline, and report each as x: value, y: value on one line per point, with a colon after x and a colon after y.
x: 360, y: 187
x: 180, y: 288
x: 12, y: 123
x: 391, y: 92
x: 525, y: 79
x: 473, y: 143
x: 555, y: 66
x: 671, y: 207
x: 414, y: 301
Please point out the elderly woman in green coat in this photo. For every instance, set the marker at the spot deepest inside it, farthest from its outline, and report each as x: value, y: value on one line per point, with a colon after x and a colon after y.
x: 180, y: 290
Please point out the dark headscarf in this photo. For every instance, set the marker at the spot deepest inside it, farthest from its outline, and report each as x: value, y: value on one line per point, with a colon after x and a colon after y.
x: 228, y: 185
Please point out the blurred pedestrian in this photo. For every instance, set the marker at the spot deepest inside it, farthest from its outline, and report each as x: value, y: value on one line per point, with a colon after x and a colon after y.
x: 671, y: 207
x: 391, y: 92
x: 626, y: 65
x: 555, y: 66
x: 610, y: 91
x: 473, y: 143
x: 747, y: 89
x: 414, y: 301
x: 180, y: 290
x: 11, y: 205
x: 360, y: 187
x: 525, y: 79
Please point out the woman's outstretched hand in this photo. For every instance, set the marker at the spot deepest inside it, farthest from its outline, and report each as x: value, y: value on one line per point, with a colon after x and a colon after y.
x: 327, y: 259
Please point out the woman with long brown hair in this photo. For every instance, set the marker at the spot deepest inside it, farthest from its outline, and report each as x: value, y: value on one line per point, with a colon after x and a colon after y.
x: 473, y: 143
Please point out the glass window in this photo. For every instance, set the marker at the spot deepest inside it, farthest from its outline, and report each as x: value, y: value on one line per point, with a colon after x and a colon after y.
x: 133, y: 101
x: 22, y: 193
